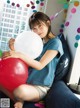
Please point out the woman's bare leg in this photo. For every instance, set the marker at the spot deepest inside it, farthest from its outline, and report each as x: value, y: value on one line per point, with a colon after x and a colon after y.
x: 25, y: 93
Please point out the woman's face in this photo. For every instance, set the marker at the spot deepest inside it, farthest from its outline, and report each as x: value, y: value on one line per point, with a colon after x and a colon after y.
x: 40, y: 29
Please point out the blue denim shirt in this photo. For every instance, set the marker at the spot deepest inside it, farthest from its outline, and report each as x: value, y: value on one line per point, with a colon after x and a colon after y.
x: 46, y: 76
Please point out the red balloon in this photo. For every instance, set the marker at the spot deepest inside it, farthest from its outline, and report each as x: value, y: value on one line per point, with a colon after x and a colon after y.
x: 13, y: 72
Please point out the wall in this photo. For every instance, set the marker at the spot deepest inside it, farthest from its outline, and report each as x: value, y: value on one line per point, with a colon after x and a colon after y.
x: 52, y: 8
x: 72, y: 34
x: 75, y: 74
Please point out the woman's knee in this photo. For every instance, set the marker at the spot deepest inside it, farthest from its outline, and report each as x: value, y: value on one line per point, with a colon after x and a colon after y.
x: 26, y: 92
x: 18, y: 92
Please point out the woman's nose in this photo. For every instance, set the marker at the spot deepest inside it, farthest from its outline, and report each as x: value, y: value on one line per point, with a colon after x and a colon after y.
x: 38, y: 31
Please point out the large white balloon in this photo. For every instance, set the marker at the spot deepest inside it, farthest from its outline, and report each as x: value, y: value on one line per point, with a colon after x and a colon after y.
x: 29, y: 43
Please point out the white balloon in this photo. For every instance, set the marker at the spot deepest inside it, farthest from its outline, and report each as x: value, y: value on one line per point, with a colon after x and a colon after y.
x: 29, y: 43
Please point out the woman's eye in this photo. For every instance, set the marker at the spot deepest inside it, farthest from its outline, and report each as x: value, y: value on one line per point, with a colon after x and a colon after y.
x: 40, y: 26
x: 34, y: 29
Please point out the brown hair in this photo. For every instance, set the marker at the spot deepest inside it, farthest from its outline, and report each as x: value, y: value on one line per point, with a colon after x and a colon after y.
x: 39, y: 17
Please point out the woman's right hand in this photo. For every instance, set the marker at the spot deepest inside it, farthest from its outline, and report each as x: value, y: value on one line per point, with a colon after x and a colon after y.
x: 11, y: 44
x: 5, y: 54
x: 11, y: 54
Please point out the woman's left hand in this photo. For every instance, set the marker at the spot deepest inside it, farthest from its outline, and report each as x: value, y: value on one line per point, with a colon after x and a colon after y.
x: 6, y: 54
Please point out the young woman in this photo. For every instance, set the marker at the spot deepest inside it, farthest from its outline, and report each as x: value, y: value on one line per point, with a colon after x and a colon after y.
x: 42, y: 70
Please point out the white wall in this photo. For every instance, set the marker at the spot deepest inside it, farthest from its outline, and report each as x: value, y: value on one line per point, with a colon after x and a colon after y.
x: 52, y: 8
x: 70, y: 33
x: 75, y: 74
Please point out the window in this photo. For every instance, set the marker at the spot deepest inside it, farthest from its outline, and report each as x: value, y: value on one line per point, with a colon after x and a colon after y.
x: 14, y: 17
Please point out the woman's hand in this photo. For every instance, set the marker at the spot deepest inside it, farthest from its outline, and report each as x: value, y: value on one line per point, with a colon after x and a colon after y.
x: 9, y: 54
x: 5, y: 54
x: 15, y: 54
x: 11, y: 44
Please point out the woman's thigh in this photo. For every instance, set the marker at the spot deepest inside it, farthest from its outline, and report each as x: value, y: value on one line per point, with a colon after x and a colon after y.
x: 26, y: 93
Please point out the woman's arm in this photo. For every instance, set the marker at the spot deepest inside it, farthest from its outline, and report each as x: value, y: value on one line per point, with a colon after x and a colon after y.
x: 47, y: 57
x: 11, y: 44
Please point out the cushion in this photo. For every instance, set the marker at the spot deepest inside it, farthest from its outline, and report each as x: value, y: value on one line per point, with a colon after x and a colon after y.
x: 60, y: 96
x: 64, y: 62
